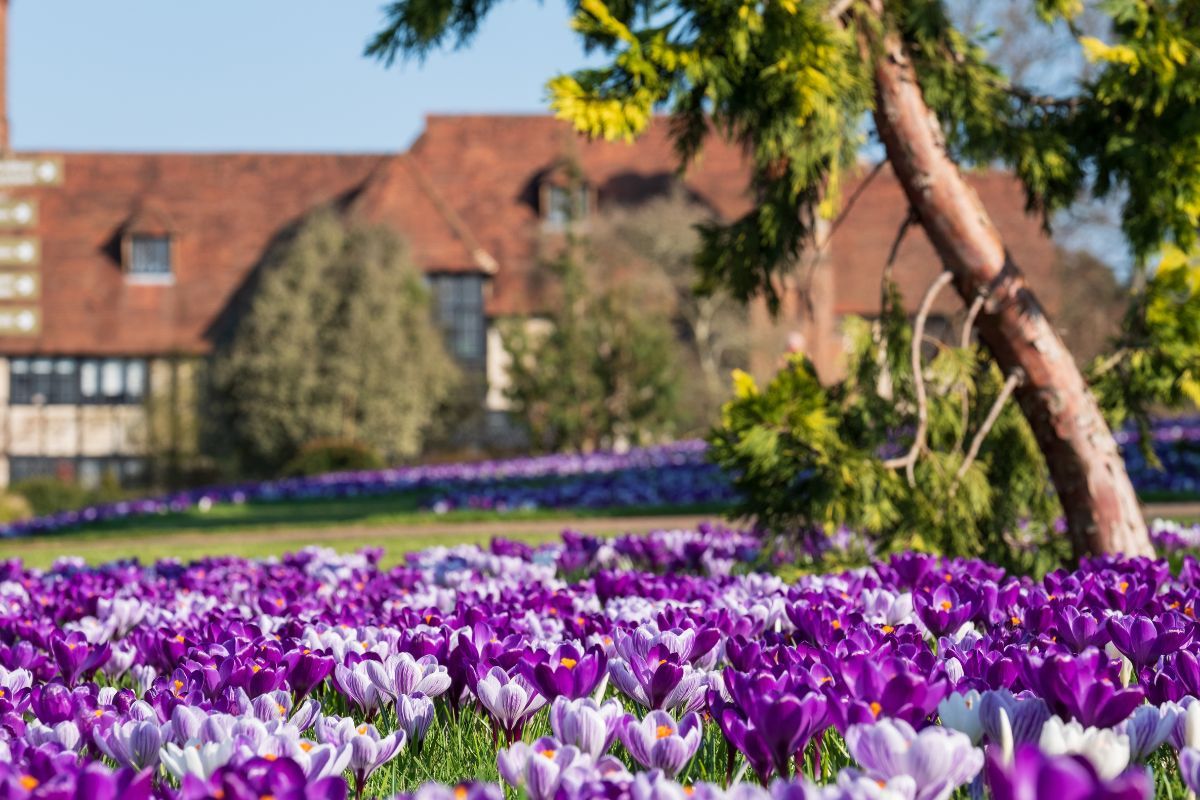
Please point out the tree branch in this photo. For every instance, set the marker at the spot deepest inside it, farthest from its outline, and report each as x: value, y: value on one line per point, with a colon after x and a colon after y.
x: 969, y: 323
x: 909, y: 460
x: 850, y: 201
x: 1010, y: 385
x: 839, y: 8
x: 964, y: 343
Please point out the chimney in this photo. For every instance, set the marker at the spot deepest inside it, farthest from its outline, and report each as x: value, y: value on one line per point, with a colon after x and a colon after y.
x: 4, y: 144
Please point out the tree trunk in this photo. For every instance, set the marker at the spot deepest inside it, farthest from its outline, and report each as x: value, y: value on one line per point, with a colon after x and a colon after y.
x: 1087, y: 469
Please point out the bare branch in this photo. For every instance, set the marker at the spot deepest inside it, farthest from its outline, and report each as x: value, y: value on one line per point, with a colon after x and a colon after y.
x: 969, y: 324
x: 1010, y: 385
x: 964, y: 343
x: 839, y: 8
x: 850, y: 201
x: 910, y: 459
x: 909, y: 220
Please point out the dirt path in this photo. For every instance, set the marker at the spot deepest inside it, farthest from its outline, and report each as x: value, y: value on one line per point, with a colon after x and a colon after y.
x: 1167, y: 510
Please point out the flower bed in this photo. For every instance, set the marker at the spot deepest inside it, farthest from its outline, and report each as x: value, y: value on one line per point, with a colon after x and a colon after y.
x: 657, y: 671
x: 673, y: 475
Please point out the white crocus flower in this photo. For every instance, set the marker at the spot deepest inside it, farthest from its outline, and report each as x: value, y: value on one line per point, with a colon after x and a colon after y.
x: 960, y: 712
x: 1191, y: 726
x: 200, y: 759
x: 1107, y: 750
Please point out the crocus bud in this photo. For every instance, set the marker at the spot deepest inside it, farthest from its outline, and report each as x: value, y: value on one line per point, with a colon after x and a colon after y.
x: 1006, y: 739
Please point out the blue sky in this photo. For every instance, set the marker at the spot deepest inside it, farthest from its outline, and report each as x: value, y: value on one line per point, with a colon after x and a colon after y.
x: 257, y: 74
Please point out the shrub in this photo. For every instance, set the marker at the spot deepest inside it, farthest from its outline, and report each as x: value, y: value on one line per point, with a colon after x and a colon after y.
x: 806, y: 456
x: 49, y: 495
x: 332, y: 455
x: 14, y: 507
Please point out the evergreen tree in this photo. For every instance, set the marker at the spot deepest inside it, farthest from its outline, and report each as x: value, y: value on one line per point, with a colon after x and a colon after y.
x: 338, y: 343
x: 598, y: 372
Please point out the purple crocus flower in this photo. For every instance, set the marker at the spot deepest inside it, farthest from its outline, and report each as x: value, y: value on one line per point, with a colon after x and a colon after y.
x: 76, y: 657
x: 769, y: 719
x: 279, y: 778
x: 355, y: 683
x: 308, y: 671
x: 1026, y: 716
x: 1143, y: 640
x: 658, y: 742
x: 402, y: 675
x: 1079, y: 630
x: 510, y: 700
x: 1033, y: 774
x: 1189, y: 768
x: 368, y: 749
x: 659, y: 680
x: 1148, y: 728
x: 945, y: 610
x: 566, y: 671
x: 1084, y: 687
x: 52, y: 703
x: 937, y: 759
x: 133, y: 744
x: 542, y: 768
x: 414, y: 715
x: 586, y: 724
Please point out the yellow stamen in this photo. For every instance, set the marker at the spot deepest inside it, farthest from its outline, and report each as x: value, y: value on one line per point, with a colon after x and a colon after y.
x: 876, y: 708
x: 549, y: 753
x: 887, y: 629
x: 569, y: 663
x: 460, y: 792
x: 663, y: 731
x: 29, y: 782
x: 947, y: 605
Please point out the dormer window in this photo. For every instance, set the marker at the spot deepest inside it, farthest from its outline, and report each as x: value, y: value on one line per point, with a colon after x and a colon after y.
x: 565, y: 204
x: 150, y: 257
x: 148, y: 251
x: 564, y: 196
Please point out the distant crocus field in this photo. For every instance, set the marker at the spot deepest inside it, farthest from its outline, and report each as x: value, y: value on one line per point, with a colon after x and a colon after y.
x: 637, y: 667
x: 675, y: 476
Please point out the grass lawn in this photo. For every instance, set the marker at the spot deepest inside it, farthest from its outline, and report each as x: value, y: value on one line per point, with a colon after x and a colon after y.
x: 393, y: 523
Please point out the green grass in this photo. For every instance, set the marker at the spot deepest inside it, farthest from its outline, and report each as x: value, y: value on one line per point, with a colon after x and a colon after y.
x: 258, y: 530
x: 389, y: 510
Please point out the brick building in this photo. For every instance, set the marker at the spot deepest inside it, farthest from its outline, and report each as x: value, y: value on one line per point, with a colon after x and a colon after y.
x: 119, y: 271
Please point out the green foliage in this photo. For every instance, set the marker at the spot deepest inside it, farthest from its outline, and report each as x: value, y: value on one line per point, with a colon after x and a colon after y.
x: 649, y: 250
x: 332, y: 455
x: 51, y: 495
x: 14, y: 507
x: 599, y: 369
x: 338, y: 342
x: 808, y: 455
x: 1157, y: 360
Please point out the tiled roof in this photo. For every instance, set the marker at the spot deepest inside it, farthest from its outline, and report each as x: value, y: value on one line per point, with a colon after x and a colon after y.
x: 465, y: 197
x: 860, y: 246
x: 224, y: 210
